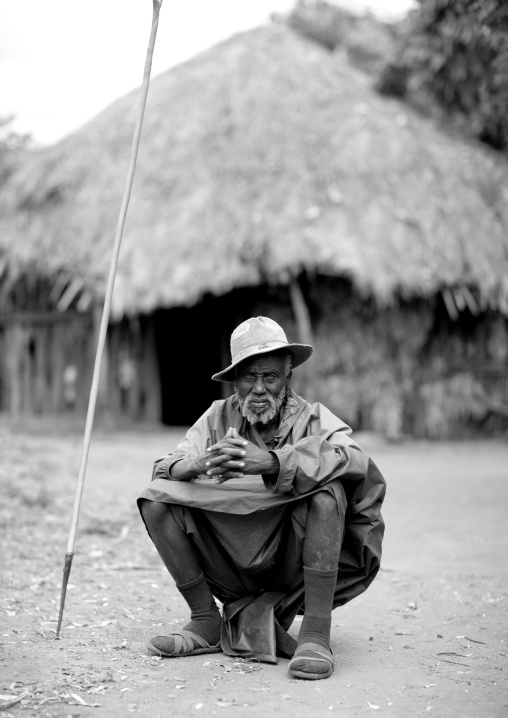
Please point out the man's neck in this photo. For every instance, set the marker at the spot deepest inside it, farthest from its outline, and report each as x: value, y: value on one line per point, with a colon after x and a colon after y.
x: 270, y: 427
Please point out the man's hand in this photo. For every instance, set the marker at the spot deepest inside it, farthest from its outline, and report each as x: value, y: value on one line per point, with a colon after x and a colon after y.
x: 232, y: 457
x: 191, y: 468
x: 225, y: 459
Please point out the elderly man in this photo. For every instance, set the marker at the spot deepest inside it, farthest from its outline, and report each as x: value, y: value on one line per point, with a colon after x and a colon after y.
x: 269, y: 506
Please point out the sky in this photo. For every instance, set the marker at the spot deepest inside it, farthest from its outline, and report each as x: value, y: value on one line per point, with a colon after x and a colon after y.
x: 63, y: 61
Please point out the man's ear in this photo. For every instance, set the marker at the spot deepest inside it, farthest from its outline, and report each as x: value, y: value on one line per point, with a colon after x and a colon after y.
x: 288, y: 378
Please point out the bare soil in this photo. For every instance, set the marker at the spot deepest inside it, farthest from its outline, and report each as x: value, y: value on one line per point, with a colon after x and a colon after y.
x: 428, y: 638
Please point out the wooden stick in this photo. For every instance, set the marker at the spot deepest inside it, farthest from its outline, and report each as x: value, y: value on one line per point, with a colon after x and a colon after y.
x: 107, y: 310
x: 14, y: 700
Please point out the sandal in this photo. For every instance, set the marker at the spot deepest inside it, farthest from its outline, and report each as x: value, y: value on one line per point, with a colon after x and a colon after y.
x: 314, y: 653
x: 184, y: 645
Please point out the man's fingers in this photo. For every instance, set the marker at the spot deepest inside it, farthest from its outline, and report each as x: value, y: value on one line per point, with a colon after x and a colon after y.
x: 223, y: 458
x: 231, y: 451
x: 227, y: 463
x: 240, y: 443
x: 216, y: 460
x: 215, y: 470
x: 229, y: 475
x: 231, y: 465
x: 227, y: 442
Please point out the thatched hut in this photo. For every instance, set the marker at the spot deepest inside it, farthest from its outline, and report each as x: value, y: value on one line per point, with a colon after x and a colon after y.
x: 271, y: 179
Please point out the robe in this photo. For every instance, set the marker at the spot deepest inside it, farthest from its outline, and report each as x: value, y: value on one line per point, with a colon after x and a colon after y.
x: 249, y: 532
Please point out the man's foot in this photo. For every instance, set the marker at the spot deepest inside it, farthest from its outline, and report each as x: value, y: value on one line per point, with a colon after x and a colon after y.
x: 200, y: 635
x: 180, y: 644
x: 312, y: 662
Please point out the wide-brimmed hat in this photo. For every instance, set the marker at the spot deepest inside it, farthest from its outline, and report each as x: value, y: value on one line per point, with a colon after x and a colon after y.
x: 260, y: 335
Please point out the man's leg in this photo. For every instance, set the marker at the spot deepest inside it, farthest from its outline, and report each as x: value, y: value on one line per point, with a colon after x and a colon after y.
x: 321, y: 551
x: 179, y: 556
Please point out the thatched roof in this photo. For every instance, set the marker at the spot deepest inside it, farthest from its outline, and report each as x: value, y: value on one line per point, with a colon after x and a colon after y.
x: 261, y: 157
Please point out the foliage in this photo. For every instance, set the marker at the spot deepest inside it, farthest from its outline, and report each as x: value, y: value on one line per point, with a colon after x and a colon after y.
x: 456, y: 52
x: 366, y: 40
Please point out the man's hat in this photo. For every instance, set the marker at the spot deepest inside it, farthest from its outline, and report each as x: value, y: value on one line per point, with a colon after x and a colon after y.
x: 260, y: 335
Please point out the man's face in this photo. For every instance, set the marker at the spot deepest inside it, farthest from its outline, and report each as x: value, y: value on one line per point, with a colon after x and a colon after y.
x: 261, y: 387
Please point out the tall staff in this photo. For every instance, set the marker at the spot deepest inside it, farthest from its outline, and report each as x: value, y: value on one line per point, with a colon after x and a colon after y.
x: 106, y: 312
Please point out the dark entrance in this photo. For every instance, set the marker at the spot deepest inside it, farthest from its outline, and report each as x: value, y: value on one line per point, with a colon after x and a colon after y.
x: 189, y: 352
x: 193, y: 343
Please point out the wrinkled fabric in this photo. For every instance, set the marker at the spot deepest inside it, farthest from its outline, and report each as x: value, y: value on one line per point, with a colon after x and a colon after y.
x: 249, y: 533
x: 250, y: 629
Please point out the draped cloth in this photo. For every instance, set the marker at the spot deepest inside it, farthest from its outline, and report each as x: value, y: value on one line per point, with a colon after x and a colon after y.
x: 249, y: 533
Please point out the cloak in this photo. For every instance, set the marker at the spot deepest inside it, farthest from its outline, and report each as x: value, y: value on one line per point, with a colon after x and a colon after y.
x: 249, y: 532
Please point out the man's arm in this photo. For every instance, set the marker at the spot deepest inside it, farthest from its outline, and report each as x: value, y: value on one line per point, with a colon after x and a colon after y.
x: 324, y: 452
x: 316, y: 460
x: 188, y: 452
x: 187, y: 469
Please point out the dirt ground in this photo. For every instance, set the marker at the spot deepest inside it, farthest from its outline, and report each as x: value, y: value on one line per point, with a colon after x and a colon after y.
x: 428, y: 638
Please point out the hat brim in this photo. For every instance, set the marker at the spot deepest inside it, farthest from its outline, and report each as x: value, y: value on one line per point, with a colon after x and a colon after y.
x: 299, y: 352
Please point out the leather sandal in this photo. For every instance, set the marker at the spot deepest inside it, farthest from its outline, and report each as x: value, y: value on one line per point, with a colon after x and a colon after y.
x: 185, y: 643
x: 311, y: 652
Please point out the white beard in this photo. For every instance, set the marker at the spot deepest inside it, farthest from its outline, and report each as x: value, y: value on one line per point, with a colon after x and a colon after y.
x: 252, y: 416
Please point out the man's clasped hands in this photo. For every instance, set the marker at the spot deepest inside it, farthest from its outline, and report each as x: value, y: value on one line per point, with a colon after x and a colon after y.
x: 233, y: 457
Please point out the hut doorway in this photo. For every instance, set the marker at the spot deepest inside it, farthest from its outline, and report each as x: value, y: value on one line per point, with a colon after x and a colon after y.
x: 189, y: 350
x: 193, y: 343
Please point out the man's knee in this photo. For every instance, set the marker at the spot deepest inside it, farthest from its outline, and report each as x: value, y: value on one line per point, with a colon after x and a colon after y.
x: 324, y: 503
x: 154, y: 512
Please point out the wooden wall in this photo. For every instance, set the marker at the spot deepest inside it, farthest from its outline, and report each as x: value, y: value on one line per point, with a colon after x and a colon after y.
x: 37, y: 353
x: 46, y: 365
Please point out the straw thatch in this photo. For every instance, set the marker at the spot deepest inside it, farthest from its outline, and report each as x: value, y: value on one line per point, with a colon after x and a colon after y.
x: 261, y: 157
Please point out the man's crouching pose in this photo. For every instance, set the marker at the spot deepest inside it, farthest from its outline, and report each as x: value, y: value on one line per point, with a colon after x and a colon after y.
x: 271, y: 507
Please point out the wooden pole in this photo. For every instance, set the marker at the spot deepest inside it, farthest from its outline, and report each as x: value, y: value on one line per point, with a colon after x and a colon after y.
x: 107, y: 310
